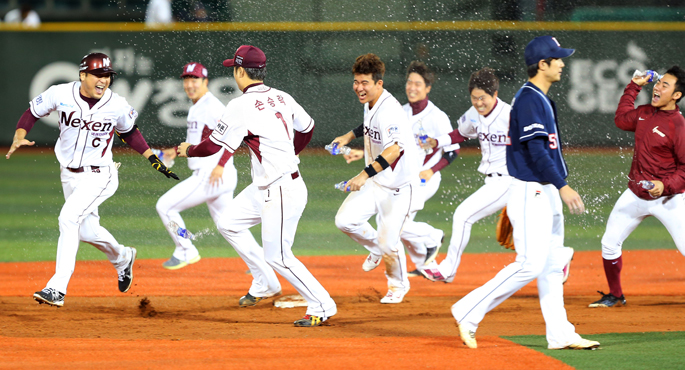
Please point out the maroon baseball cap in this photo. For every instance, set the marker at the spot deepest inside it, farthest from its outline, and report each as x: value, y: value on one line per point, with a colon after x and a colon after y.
x: 194, y: 69
x: 247, y: 56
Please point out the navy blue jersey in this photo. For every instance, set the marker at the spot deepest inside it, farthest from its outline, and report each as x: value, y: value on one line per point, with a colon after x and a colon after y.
x: 533, y: 115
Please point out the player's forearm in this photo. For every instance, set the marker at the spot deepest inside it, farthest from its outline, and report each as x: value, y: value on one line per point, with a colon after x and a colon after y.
x: 301, y: 140
x: 445, y: 161
x: 26, y: 121
x: 543, y: 162
x: 357, y: 132
x: 206, y: 148
x: 626, y: 114
x: 453, y: 137
x: 135, y: 140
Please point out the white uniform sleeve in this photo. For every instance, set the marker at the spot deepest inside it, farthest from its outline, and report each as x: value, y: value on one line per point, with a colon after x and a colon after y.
x: 302, y: 121
x: 127, y: 119
x: 230, y: 130
x: 45, y: 103
x: 393, y: 123
x: 468, y: 124
x: 444, y: 128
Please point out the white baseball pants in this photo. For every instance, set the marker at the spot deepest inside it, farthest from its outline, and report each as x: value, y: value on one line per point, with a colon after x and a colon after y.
x: 79, y: 221
x: 393, y: 207
x: 535, y: 211
x: 490, y: 198
x: 630, y: 210
x: 189, y: 193
x: 278, y: 208
x: 417, y: 236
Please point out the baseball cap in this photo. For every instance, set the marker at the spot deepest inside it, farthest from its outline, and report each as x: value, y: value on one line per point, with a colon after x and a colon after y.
x: 544, y: 47
x: 247, y: 56
x: 194, y: 69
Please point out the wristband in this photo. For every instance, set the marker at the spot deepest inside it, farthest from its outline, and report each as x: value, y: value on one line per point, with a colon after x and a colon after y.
x: 384, y: 164
x: 370, y: 170
x: 188, y: 150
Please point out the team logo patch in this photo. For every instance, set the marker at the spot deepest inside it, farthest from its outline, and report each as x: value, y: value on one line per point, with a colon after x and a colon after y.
x: 533, y: 126
x: 39, y: 99
x: 238, y: 60
x: 392, y: 130
x: 221, y: 127
x: 132, y: 114
x: 538, y: 193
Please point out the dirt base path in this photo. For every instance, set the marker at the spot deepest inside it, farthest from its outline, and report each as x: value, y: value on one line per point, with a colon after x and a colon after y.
x: 189, y: 318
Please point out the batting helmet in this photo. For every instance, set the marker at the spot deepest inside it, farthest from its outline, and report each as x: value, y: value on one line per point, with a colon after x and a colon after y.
x: 96, y: 63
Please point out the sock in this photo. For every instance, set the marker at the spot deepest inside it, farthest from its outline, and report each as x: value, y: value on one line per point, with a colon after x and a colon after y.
x: 612, y: 270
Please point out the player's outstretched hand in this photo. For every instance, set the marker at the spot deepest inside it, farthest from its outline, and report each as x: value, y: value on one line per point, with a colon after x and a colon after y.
x: 641, y: 81
x: 572, y: 200
x: 18, y: 141
x: 216, y: 178
x: 355, y: 154
x: 159, y: 166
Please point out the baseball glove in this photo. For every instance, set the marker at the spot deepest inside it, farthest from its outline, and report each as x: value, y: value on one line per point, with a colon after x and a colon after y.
x: 505, y: 232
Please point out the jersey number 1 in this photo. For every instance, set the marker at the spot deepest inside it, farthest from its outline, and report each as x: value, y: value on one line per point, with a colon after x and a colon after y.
x: 279, y: 115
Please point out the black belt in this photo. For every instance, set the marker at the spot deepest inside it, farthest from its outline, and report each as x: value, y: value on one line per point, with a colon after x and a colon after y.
x: 495, y: 174
x: 545, y: 183
x: 81, y: 169
x: 295, y: 175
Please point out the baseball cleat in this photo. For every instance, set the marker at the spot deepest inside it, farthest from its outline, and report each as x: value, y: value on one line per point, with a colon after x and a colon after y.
x: 608, y: 300
x: 371, y: 262
x: 394, y: 296
x: 468, y: 336
x: 582, y: 344
x: 309, y: 321
x: 249, y: 300
x: 49, y: 296
x: 414, y: 273
x: 567, y: 267
x: 432, y: 253
x: 174, y: 263
x: 126, y: 275
x: 432, y: 272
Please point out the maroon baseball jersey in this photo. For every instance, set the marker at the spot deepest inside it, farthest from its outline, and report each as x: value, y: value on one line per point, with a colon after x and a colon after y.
x: 659, y: 152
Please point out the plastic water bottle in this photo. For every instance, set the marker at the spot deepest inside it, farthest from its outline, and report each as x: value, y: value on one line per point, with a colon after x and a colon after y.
x: 653, y: 76
x: 423, y: 137
x: 335, y: 150
x: 160, y: 154
x: 178, y: 230
x: 646, y: 184
x: 423, y: 182
x: 342, y: 186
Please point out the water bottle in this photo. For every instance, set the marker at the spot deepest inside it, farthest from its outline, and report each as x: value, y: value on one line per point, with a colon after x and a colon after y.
x: 423, y: 137
x: 646, y: 184
x: 178, y: 230
x: 653, y: 76
x: 342, y: 186
x: 160, y: 154
x: 335, y: 150
x: 423, y: 182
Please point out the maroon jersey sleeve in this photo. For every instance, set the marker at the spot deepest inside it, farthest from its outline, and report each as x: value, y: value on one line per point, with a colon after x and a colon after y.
x: 675, y: 183
x: 626, y: 115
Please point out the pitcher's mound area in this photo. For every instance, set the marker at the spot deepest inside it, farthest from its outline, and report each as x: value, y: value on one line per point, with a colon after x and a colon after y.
x: 190, y: 319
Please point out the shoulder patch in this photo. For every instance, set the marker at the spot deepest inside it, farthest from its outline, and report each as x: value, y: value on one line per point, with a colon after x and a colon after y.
x: 392, y: 130
x: 462, y: 119
x: 132, y: 114
x: 221, y: 127
x: 39, y: 99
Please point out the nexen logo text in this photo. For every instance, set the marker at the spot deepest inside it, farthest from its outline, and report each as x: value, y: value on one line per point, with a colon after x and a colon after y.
x: 493, y: 138
x: 373, y: 134
x: 87, y: 125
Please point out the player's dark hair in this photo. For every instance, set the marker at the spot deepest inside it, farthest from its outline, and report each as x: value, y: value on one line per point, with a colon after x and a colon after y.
x: 422, y: 70
x: 533, y: 68
x: 484, y: 79
x: 679, y: 75
x: 257, y: 74
x: 369, y: 64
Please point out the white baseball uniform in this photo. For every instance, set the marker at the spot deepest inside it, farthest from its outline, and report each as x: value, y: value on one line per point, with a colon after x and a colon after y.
x: 89, y: 177
x: 265, y: 119
x: 417, y: 236
x: 202, y: 119
x: 391, y: 193
x: 492, y: 134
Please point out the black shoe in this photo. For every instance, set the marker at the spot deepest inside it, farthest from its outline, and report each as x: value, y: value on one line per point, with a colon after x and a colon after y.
x: 414, y: 273
x: 609, y: 300
x: 126, y: 276
x: 49, y: 296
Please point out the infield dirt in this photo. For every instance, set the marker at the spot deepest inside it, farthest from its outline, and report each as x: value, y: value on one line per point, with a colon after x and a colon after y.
x: 190, y: 319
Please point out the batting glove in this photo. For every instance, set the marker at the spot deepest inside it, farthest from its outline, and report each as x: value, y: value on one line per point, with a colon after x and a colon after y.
x: 159, y: 166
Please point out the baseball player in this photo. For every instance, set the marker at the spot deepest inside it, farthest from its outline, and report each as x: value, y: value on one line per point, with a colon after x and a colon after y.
x: 535, y: 162
x: 275, y: 128
x: 89, y: 114
x: 390, y: 193
x: 659, y: 161
x: 214, y: 178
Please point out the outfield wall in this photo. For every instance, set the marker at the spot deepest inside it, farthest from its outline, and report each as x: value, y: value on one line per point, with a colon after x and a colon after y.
x: 312, y: 62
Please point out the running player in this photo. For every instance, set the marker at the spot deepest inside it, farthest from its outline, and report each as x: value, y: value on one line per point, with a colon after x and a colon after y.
x: 535, y: 161
x: 275, y: 128
x: 659, y: 160
x: 89, y: 113
x: 391, y: 193
x: 214, y: 178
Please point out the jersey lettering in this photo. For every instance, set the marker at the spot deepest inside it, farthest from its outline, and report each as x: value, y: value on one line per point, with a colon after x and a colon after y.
x: 259, y: 105
x: 83, y: 124
x: 372, y: 133
x: 553, y: 144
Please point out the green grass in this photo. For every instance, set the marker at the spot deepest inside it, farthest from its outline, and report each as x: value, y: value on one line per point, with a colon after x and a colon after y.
x: 625, y: 351
x: 32, y: 198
